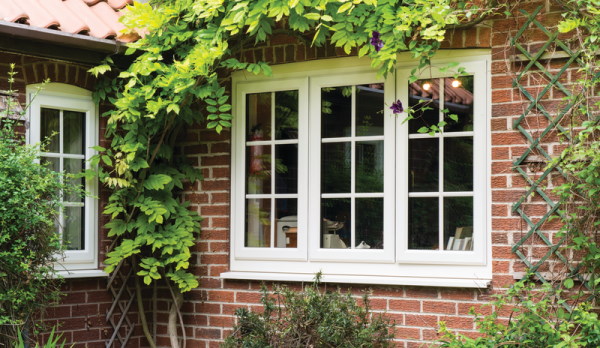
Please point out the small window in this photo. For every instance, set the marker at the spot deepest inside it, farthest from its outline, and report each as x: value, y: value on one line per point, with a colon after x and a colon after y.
x: 65, y: 118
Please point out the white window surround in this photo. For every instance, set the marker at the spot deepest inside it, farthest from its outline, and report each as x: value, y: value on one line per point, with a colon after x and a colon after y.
x: 76, y: 263
x: 395, y: 264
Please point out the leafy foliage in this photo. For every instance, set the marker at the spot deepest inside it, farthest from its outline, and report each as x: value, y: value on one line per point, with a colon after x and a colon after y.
x: 538, y: 320
x: 580, y: 160
x: 178, y: 78
x: 29, y: 204
x: 312, y: 318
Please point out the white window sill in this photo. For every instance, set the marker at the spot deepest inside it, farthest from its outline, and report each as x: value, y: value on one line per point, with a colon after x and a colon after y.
x: 373, y: 280
x: 82, y: 273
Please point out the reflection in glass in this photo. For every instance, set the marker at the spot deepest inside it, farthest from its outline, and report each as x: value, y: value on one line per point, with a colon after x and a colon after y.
x: 369, y: 166
x: 458, y: 223
x: 258, y: 116
x: 458, y: 100
x: 424, y: 100
x: 74, y: 131
x: 258, y: 169
x: 50, y: 129
x: 286, y: 168
x: 458, y: 164
x: 423, y: 223
x: 286, y: 115
x: 286, y: 213
x: 423, y: 165
x: 336, y: 112
x: 258, y: 223
x: 335, y: 167
x: 53, y: 163
x: 369, y: 223
x: 335, y: 223
x: 369, y: 109
x: 74, y: 166
x: 73, y: 236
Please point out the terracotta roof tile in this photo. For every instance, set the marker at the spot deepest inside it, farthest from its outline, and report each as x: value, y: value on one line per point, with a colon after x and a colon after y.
x: 97, y: 18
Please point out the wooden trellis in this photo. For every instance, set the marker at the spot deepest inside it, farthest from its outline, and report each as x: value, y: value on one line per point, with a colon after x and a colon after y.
x: 533, y: 61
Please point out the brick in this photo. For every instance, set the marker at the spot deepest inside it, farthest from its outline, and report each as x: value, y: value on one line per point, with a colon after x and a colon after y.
x: 405, y: 305
x: 421, y: 320
x: 439, y: 307
x: 220, y: 296
x: 247, y: 297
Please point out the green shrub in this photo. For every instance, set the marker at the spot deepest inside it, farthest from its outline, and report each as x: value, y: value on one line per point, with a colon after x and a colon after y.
x: 311, y: 318
x: 539, y: 319
x: 30, y: 199
x: 53, y: 341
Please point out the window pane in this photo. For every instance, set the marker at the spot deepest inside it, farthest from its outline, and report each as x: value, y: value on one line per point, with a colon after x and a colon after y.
x: 50, y: 128
x: 369, y: 223
x: 369, y: 109
x: 286, y: 235
x: 73, y: 233
x: 258, y: 223
x: 74, y: 166
x: 458, y: 223
x: 258, y: 169
x: 423, y: 163
x: 369, y: 166
x: 286, y: 168
x: 423, y: 223
x: 458, y: 164
x: 335, y: 227
x: 458, y: 100
x: 52, y: 163
x: 424, y: 100
x: 74, y: 132
x: 286, y: 115
x: 336, y: 112
x: 258, y: 116
x: 335, y: 167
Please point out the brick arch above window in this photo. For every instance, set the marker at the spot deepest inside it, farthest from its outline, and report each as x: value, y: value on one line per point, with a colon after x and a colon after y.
x: 57, y: 72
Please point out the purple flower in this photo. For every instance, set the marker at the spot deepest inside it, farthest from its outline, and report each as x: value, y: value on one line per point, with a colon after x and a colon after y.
x: 397, y: 107
x: 376, y: 41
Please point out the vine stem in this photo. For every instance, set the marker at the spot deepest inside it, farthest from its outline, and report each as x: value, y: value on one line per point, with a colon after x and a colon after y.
x: 142, y: 313
x: 177, y: 302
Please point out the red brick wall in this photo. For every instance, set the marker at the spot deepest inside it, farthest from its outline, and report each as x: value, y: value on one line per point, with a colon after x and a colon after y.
x: 208, y: 310
x: 417, y: 310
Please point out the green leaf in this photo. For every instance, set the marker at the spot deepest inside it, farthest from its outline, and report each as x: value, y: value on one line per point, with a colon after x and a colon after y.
x: 568, y: 283
x: 157, y: 181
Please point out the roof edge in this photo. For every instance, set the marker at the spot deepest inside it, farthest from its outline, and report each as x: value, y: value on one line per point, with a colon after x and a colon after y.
x: 61, y: 38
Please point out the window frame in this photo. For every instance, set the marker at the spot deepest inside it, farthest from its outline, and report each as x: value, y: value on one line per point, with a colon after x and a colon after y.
x: 405, y: 267
x: 480, y: 171
x: 67, y: 97
x: 316, y: 253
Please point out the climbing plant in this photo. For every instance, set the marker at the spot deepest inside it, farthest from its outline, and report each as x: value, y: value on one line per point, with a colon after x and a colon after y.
x: 178, y: 77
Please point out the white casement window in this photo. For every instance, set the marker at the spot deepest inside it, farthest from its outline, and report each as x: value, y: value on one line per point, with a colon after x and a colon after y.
x: 326, y: 178
x: 65, y: 117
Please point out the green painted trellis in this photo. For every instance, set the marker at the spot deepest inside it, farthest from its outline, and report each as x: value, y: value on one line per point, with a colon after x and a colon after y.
x: 535, y: 182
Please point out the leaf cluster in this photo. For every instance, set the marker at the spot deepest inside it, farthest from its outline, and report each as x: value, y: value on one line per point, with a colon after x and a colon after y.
x: 538, y: 319
x: 30, y: 199
x: 312, y: 318
x: 178, y: 78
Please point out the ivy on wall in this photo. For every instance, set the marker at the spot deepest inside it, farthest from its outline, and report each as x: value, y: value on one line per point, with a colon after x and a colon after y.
x: 176, y: 80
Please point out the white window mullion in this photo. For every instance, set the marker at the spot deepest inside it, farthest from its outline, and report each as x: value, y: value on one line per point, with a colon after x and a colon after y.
x: 441, y: 169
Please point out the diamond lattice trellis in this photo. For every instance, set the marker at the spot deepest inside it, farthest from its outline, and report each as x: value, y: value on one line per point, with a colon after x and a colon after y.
x: 533, y: 61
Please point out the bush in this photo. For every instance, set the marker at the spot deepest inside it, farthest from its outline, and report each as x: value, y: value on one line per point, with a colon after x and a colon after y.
x: 312, y: 318
x: 540, y: 318
x: 30, y: 199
